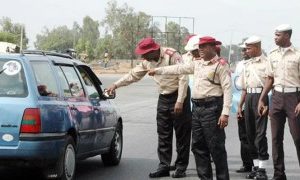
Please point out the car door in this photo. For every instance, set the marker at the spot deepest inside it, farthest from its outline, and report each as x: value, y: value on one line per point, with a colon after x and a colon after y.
x: 80, y: 108
x: 104, y: 116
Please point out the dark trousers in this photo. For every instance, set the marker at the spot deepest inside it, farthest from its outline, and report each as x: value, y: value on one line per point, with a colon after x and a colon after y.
x: 166, y: 121
x: 283, y: 106
x: 256, y: 127
x: 208, y: 139
x: 245, y: 147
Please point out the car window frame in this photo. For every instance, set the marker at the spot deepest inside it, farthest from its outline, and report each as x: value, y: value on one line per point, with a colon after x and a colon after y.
x: 54, y: 75
x: 78, y: 76
x: 79, y: 68
x: 95, y: 80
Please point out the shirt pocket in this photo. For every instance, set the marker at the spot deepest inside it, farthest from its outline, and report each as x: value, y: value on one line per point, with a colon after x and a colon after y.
x: 261, y: 71
x: 274, y: 64
x: 292, y: 67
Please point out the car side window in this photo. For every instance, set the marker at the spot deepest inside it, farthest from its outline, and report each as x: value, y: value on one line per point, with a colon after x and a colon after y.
x: 70, y: 82
x: 91, y: 89
x: 46, y: 83
x: 63, y: 82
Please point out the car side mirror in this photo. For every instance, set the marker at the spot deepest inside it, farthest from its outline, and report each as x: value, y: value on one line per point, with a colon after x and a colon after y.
x: 109, y: 96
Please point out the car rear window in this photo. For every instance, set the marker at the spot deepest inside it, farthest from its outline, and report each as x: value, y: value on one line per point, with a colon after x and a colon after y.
x: 12, y: 79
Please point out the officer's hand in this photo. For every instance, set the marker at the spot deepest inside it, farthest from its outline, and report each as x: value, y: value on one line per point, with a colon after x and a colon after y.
x: 297, y: 109
x: 223, y: 121
x: 151, y: 72
x: 178, y: 108
x: 261, y: 108
x: 111, y: 89
x: 239, y: 113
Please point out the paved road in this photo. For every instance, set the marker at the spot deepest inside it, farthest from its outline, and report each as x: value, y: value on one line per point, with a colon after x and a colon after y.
x: 138, y: 107
x: 138, y: 104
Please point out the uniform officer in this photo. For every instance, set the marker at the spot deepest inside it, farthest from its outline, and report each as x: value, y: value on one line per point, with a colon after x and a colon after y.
x: 173, y: 108
x: 253, y: 78
x: 283, y: 74
x: 211, y: 97
x: 245, y: 149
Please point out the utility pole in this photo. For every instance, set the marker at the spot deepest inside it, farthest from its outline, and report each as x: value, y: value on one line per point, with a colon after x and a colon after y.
x: 229, y: 54
x: 21, y: 40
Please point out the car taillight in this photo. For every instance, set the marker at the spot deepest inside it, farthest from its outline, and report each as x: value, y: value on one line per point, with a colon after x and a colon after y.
x: 31, y: 121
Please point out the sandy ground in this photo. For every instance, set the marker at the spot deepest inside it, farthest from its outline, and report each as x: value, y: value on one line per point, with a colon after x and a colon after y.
x: 119, y: 67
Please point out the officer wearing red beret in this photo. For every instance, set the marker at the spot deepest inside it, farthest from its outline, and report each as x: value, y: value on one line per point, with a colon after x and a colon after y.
x: 173, y: 108
x: 211, y: 98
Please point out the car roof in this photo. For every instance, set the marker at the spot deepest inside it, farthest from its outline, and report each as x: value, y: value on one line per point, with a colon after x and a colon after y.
x: 58, y: 58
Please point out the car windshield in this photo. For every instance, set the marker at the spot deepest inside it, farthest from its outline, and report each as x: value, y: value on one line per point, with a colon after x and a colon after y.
x: 12, y: 79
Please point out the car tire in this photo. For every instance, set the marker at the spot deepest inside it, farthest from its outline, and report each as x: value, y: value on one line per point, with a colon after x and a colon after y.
x: 113, y: 157
x: 66, y: 164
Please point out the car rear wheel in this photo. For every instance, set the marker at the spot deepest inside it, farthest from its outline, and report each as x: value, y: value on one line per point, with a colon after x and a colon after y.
x: 113, y: 157
x: 65, y: 167
x: 69, y: 162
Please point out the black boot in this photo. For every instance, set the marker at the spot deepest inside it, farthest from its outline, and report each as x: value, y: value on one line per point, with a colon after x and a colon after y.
x: 172, y: 167
x: 261, y: 174
x: 252, y: 174
x: 244, y: 169
x: 159, y: 173
x: 179, y: 174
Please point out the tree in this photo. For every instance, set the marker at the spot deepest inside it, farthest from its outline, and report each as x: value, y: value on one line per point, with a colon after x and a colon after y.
x: 126, y: 27
x: 76, y: 31
x: 175, y: 35
x: 58, y: 39
x: 90, y: 31
x: 11, y: 32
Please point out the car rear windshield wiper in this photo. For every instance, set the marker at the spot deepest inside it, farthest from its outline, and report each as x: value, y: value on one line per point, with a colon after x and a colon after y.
x: 2, y: 70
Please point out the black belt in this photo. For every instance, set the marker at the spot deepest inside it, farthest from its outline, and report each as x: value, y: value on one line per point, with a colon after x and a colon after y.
x: 170, y: 95
x: 206, y: 101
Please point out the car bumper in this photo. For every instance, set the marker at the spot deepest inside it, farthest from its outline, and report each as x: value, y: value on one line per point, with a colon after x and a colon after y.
x: 32, y: 152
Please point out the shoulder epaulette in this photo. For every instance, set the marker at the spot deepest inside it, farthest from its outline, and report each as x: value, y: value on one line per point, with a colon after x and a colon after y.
x: 273, y: 50
x: 223, y: 61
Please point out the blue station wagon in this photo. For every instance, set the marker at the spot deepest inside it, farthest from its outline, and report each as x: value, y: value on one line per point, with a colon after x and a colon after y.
x: 53, y: 112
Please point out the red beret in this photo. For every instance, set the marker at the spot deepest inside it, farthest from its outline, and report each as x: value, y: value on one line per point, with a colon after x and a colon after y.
x: 208, y: 39
x: 146, y: 45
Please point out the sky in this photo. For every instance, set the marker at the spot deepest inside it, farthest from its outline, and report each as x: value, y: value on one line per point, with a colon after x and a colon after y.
x: 227, y: 20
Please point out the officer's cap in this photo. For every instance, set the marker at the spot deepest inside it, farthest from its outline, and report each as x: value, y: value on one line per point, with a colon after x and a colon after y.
x: 243, y: 46
x: 283, y: 27
x: 208, y: 40
x: 146, y: 45
x: 192, y: 44
x: 253, y: 40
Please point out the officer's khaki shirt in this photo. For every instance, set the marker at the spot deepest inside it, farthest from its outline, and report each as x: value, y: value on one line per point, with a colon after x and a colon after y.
x: 202, y: 87
x: 254, y: 73
x: 188, y: 58
x: 167, y: 83
x: 284, y: 67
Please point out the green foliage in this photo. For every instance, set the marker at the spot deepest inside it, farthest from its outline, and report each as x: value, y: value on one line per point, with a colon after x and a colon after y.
x: 175, y: 35
x: 11, y: 32
x: 122, y: 29
x: 58, y: 39
x: 90, y: 31
x: 8, y: 37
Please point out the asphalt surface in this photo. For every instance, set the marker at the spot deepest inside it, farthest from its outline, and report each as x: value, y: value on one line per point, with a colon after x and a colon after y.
x: 137, y: 104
